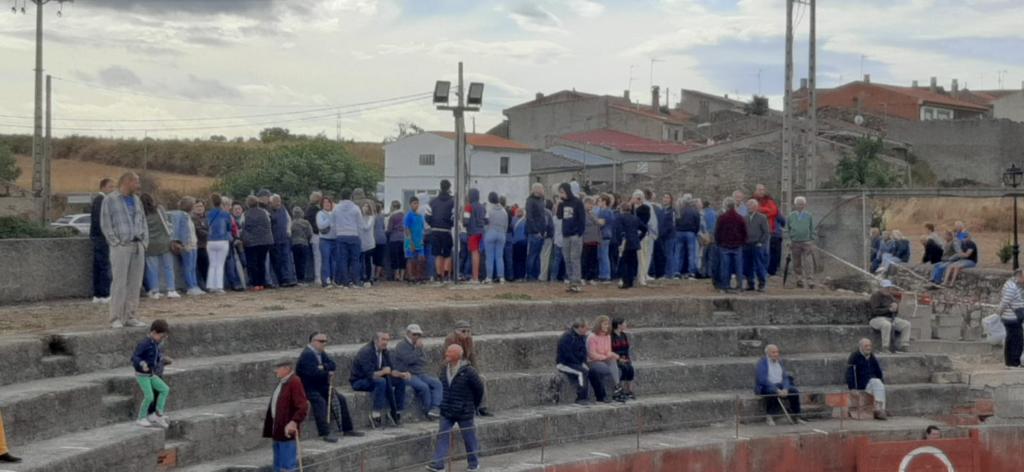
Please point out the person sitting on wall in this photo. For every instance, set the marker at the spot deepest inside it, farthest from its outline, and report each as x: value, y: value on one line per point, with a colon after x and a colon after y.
x: 371, y: 372
x: 572, y: 361
x: 774, y: 383
x: 885, y: 318
x: 863, y: 373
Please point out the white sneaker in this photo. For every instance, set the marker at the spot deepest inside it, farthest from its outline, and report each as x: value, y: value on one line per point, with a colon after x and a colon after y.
x: 770, y: 421
x: 173, y: 294
x: 154, y: 295
x: 117, y: 325
x: 133, y: 323
x: 195, y: 292
x: 161, y: 422
x: 143, y: 422
x: 96, y: 299
x: 501, y: 281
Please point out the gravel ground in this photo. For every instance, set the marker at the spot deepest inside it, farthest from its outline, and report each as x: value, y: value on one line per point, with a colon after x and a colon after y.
x: 77, y: 315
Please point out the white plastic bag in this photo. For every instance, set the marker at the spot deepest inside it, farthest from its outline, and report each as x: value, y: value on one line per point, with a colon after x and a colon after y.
x: 995, y: 332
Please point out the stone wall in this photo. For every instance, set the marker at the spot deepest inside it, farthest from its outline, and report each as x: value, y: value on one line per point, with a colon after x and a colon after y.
x: 43, y: 269
x: 978, y: 150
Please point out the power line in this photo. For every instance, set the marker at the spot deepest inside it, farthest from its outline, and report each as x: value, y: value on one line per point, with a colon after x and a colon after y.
x: 234, y: 117
x: 234, y: 125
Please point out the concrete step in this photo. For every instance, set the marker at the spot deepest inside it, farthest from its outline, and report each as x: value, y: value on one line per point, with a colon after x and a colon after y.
x: 519, y: 430
x: 212, y: 431
x: 956, y: 348
x: 106, y: 349
x: 203, y: 381
x: 122, y: 447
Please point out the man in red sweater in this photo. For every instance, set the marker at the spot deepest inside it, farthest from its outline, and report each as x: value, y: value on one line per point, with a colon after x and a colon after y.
x: 287, y: 410
x: 769, y: 208
x: 730, y: 236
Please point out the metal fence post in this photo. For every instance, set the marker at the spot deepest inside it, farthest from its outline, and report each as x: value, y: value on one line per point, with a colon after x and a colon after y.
x: 737, y: 416
x: 639, y: 426
x: 451, y: 446
x: 362, y: 462
x: 547, y: 433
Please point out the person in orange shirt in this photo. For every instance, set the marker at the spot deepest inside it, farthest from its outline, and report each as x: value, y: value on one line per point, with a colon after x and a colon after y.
x: 5, y: 455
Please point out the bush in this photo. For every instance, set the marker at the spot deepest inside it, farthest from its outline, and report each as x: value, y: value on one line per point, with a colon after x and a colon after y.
x: 12, y: 227
x: 1006, y: 252
x: 9, y: 170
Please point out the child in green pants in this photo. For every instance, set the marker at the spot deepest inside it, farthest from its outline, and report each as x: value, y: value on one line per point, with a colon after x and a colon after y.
x: 148, y: 362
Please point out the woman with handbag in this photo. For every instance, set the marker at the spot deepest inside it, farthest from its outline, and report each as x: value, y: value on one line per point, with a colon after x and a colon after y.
x: 1011, y: 311
x: 159, y: 255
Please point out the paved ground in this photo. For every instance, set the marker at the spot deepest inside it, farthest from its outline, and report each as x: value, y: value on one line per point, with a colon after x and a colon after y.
x: 73, y: 315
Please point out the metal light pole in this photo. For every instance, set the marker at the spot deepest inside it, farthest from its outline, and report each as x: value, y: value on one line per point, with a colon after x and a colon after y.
x: 1013, y: 178
x: 470, y: 103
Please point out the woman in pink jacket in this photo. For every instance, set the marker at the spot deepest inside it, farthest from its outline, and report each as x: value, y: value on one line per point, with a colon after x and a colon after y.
x: 603, y: 361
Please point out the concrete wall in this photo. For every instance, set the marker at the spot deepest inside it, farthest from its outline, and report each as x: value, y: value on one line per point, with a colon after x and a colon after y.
x: 532, y: 125
x: 43, y: 269
x: 979, y: 150
x: 21, y: 206
x: 1010, y: 107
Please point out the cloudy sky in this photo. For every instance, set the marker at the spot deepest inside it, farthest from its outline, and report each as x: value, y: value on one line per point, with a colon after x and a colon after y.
x: 194, y: 68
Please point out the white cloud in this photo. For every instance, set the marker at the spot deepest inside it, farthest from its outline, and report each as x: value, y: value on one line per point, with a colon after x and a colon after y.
x: 586, y: 8
x: 535, y: 18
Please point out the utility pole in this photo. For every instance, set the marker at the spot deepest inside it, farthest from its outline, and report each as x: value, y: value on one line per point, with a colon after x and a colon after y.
x: 47, y: 149
x: 812, y: 95
x: 37, y: 134
x: 787, y: 116
x: 338, y: 126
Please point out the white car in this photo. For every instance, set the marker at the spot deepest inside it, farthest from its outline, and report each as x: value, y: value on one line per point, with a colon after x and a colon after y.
x: 79, y: 223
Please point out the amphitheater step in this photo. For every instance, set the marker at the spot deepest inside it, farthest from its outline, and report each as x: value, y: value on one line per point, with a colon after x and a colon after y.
x: 122, y: 447
x: 954, y: 348
x: 521, y: 429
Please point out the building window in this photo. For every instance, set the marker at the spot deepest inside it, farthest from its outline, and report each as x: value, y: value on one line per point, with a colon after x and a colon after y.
x: 426, y: 159
x: 503, y: 170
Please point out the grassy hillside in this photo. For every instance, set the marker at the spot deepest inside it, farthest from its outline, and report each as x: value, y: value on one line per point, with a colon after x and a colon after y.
x: 71, y: 176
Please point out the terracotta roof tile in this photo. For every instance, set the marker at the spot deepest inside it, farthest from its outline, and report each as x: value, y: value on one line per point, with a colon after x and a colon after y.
x: 485, y: 141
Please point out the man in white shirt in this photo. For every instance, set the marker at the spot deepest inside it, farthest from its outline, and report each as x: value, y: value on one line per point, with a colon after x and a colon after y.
x: 775, y: 384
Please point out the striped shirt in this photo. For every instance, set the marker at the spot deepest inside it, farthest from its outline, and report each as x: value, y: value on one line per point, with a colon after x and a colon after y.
x: 123, y: 225
x: 1010, y: 300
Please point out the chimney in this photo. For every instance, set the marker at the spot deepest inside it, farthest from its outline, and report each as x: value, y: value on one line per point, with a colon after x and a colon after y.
x: 955, y: 87
x: 656, y: 97
x: 934, y: 87
x: 540, y: 95
x: 625, y: 94
x: 803, y: 84
x: 867, y: 78
x: 913, y: 84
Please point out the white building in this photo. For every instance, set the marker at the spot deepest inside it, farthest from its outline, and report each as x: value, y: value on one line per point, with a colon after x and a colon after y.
x: 416, y: 164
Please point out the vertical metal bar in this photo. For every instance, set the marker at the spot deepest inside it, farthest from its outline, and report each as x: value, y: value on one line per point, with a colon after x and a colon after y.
x: 451, y: 446
x: 812, y: 61
x: 547, y: 434
x: 737, y: 412
x: 639, y: 426
x: 362, y: 462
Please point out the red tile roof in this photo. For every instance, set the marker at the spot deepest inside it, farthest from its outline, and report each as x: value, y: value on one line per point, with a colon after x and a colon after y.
x: 927, y: 96
x: 627, y: 142
x: 485, y: 141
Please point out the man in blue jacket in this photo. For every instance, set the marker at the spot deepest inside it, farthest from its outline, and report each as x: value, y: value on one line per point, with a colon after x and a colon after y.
x: 774, y: 383
x: 371, y: 372
x: 863, y: 373
x: 316, y: 370
x: 572, y: 361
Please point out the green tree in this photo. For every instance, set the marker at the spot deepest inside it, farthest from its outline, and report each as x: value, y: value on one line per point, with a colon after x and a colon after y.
x: 295, y: 169
x: 275, y: 134
x: 9, y: 170
x: 757, y: 105
x: 864, y: 168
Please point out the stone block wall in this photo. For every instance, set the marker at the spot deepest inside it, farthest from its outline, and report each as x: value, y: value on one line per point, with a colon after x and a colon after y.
x: 42, y: 269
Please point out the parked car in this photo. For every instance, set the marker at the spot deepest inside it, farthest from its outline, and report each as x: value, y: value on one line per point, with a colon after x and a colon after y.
x: 78, y: 223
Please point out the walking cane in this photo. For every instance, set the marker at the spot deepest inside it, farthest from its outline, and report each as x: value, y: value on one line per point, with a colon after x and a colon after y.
x: 330, y: 400
x: 298, y: 448
x: 790, y: 418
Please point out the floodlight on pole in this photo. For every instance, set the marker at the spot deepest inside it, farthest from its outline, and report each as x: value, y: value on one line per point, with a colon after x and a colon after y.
x: 470, y: 101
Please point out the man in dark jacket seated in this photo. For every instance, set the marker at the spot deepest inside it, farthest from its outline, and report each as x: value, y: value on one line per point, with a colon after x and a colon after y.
x: 316, y: 370
x: 371, y: 372
x: 572, y: 361
x: 774, y: 383
x: 285, y: 413
x: 463, y: 391
x: 864, y: 373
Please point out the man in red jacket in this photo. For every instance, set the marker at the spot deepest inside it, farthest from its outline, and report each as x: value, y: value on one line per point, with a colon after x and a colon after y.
x: 287, y: 410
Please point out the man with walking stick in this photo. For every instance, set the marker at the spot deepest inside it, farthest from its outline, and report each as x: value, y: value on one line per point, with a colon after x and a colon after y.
x: 316, y: 370
x: 774, y: 383
x: 285, y: 413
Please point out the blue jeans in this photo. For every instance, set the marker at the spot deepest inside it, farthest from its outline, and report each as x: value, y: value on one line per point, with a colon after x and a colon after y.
x: 604, y: 267
x: 494, y: 253
x: 468, y: 435
x: 670, y: 251
x: 534, y: 244
x: 509, y: 273
x: 755, y: 264
x: 555, y: 271
x: 348, y: 255
x: 939, y: 272
x: 730, y: 262
x: 188, y: 268
x: 687, y: 249
x: 285, y: 456
x: 328, y: 259
x: 231, y: 277
x: 281, y: 261
x: 383, y: 396
x: 155, y: 265
x: 428, y: 390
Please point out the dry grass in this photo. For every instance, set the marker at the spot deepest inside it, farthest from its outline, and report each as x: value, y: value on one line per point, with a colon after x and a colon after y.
x: 71, y: 176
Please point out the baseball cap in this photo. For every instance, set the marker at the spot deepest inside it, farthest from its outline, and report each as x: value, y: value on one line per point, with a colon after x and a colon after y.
x: 887, y: 284
x: 462, y: 324
x: 414, y: 329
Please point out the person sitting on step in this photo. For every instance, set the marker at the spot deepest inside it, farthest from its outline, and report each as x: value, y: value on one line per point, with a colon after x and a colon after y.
x: 409, y: 358
x: 604, y: 362
x: 774, y: 383
x: 371, y: 372
x: 863, y: 373
x: 885, y: 318
x: 620, y: 345
x: 316, y: 370
x: 572, y: 361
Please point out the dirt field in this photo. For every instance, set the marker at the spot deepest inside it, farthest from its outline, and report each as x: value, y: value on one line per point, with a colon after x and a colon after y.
x: 71, y: 315
x: 79, y: 176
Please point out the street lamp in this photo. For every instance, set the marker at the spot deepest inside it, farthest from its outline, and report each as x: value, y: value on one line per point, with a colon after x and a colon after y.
x: 1013, y: 177
x: 470, y: 103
